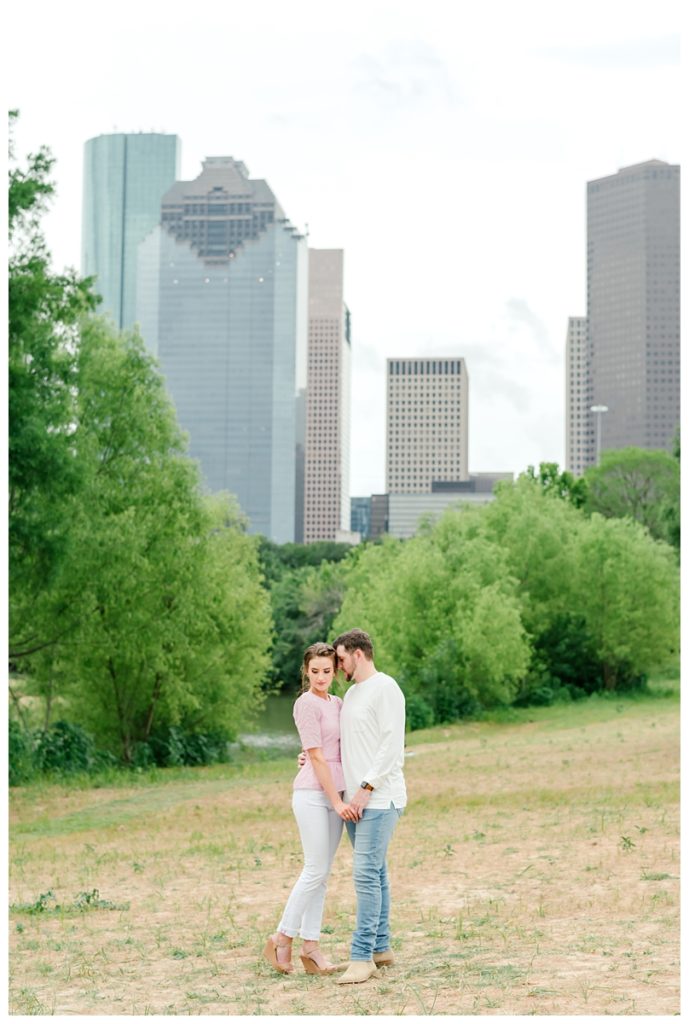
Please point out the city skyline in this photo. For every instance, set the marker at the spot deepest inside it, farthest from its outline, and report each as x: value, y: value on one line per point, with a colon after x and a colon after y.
x: 448, y: 160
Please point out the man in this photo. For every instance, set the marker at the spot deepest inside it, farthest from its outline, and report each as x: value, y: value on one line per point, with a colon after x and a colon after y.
x: 372, y: 742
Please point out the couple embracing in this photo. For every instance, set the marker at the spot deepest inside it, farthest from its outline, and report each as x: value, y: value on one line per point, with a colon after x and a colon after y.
x: 351, y: 775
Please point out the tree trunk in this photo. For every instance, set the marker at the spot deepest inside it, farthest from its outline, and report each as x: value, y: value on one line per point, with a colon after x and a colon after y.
x: 609, y: 677
x: 157, y: 687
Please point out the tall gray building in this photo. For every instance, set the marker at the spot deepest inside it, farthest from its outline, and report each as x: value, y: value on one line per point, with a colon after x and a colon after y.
x: 125, y: 177
x: 579, y: 427
x: 326, y: 467
x: 222, y: 300
x: 633, y: 303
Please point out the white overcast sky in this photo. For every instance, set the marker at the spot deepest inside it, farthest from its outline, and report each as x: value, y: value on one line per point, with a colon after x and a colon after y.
x: 445, y: 146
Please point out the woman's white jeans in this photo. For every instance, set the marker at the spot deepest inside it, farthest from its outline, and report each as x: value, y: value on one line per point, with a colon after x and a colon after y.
x: 320, y: 829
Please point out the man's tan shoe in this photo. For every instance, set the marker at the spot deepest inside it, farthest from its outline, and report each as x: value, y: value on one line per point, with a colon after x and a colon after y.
x: 358, y: 971
x: 384, y: 959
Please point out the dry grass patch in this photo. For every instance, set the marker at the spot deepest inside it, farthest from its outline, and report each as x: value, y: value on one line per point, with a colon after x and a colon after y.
x: 534, y: 872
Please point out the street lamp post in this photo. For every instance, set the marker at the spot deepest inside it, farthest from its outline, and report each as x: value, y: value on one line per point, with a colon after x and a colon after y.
x: 599, y: 410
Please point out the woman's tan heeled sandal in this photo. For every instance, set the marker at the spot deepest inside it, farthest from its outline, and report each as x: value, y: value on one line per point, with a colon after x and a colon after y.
x: 270, y: 952
x: 315, y: 963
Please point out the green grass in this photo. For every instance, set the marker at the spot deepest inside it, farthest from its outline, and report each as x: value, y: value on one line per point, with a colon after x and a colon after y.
x: 599, y: 707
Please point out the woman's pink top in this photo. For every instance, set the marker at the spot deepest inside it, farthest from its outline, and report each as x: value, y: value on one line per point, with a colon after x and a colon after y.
x: 318, y: 723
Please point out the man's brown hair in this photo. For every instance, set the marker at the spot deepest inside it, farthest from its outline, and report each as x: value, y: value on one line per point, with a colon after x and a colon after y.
x: 355, y: 640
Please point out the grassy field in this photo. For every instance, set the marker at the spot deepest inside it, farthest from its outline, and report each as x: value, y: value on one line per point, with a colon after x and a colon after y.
x: 534, y: 872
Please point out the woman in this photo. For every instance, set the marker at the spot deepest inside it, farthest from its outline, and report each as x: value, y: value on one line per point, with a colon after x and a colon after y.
x: 320, y: 811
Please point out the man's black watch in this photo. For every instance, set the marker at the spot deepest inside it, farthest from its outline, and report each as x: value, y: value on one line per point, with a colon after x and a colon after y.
x: 367, y: 785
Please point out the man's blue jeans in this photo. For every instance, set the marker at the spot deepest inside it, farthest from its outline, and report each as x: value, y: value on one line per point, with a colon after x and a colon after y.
x: 370, y: 837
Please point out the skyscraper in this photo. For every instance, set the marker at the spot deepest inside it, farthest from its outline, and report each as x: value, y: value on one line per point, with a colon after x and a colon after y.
x: 633, y: 306
x: 125, y: 177
x: 427, y: 423
x: 222, y: 299
x: 326, y: 464
x: 580, y: 441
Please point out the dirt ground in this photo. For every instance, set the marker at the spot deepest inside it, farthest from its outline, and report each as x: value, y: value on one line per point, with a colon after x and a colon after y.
x: 535, y: 871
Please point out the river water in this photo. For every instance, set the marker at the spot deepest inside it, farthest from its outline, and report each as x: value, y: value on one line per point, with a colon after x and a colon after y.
x: 275, y: 728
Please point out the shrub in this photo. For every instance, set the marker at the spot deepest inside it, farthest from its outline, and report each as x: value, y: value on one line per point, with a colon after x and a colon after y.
x: 419, y: 712
x: 66, y: 748
x: 19, y: 754
x: 174, y: 746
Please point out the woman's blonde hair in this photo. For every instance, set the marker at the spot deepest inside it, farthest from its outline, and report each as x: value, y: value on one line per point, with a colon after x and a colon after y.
x: 318, y: 650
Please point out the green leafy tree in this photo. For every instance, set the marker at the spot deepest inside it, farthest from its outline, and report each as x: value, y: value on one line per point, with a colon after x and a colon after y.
x: 304, y: 604
x: 640, y: 484
x: 173, y: 624
x: 606, y: 584
x: 563, y: 484
x: 627, y: 588
x: 44, y: 312
x: 306, y: 587
x: 534, y: 528
x: 443, y: 614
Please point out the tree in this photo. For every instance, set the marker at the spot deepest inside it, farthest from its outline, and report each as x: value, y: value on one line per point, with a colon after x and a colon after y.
x: 443, y: 614
x: 640, y: 484
x: 564, y: 484
x: 535, y: 529
x: 606, y: 584
x: 172, y: 625
x: 306, y: 587
x: 627, y: 588
x: 44, y: 312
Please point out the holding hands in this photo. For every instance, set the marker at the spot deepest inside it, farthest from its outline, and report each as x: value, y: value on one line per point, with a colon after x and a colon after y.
x: 348, y: 812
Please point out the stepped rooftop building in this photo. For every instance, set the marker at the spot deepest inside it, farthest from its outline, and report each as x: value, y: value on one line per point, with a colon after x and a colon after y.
x: 222, y: 301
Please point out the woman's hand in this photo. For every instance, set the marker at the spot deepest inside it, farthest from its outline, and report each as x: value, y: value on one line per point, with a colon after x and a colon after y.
x: 345, y: 811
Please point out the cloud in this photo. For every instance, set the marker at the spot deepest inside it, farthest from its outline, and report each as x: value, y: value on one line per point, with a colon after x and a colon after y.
x: 520, y: 314
x: 406, y: 71
x: 366, y: 357
x: 632, y: 53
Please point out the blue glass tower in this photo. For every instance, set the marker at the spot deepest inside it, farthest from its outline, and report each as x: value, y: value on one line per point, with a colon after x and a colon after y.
x: 125, y: 178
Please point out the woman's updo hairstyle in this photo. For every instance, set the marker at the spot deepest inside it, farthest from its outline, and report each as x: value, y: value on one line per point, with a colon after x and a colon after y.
x: 318, y: 650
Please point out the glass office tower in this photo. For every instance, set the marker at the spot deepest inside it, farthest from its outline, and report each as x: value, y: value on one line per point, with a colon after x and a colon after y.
x: 222, y: 300
x: 125, y: 178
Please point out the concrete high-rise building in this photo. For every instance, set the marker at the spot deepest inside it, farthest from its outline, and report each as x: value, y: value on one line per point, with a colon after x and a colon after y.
x: 326, y: 455
x: 125, y: 177
x: 633, y: 269
x: 222, y: 300
x: 427, y: 423
x: 580, y: 441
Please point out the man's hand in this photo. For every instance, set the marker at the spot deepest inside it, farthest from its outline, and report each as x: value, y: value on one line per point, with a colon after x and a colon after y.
x: 301, y: 759
x: 359, y: 802
x: 345, y: 811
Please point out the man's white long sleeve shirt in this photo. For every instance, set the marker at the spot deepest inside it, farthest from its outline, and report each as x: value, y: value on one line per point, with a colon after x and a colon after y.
x: 372, y: 740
